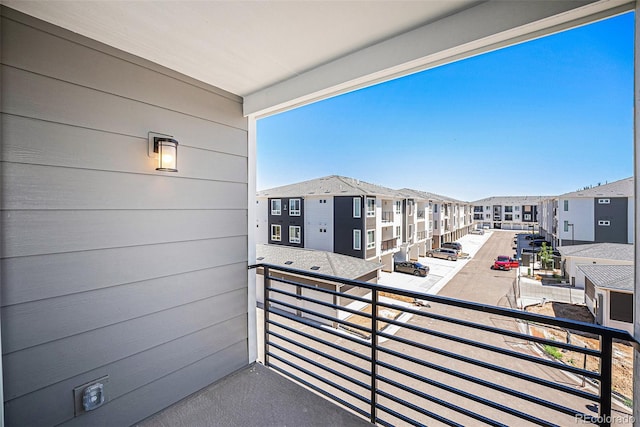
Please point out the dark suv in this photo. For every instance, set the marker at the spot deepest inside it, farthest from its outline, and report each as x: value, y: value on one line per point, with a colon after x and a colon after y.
x: 410, y: 267
x: 453, y: 245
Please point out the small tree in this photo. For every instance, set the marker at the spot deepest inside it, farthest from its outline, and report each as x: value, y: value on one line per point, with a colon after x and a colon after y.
x: 546, y: 256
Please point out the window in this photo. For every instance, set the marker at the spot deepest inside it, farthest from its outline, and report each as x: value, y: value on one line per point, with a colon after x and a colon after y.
x: 508, y: 208
x: 605, y: 223
x: 566, y: 205
x: 517, y: 208
x: 435, y: 208
x: 357, y: 240
x: 508, y: 217
x: 604, y: 201
x: 527, y: 217
x: 566, y: 226
x: 398, y: 207
x: 356, y: 207
x: 621, y: 307
x: 294, y: 207
x: 276, y: 207
x: 371, y: 239
x: 371, y: 207
x: 294, y: 234
x: 398, y: 230
x: 276, y: 233
x: 518, y: 216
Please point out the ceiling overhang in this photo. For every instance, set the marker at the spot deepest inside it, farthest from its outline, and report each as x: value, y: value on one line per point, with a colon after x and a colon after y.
x: 278, y: 55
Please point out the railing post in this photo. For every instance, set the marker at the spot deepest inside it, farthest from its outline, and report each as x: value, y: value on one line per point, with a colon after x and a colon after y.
x: 606, y: 376
x: 266, y: 307
x: 374, y: 354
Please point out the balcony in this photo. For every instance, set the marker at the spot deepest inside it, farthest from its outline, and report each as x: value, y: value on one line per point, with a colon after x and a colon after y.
x: 393, y: 361
x: 387, y: 216
x: 422, y: 235
x: 421, y: 214
x: 389, y: 244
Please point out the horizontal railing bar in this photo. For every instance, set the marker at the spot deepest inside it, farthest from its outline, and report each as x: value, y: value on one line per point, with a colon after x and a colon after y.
x: 498, y: 350
x: 488, y: 366
x: 320, y: 341
x: 320, y: 353
x: 414, y: 422
x: 498, y: 387
x: 321, y: 391
x: 499, y: 331
x: 315, y: 301
x: 533, y: 317
x: 432, y: 399
x: 316, y: 314
x: 321, y: 379
x: 319, y: 289
x: 462, y: 393
x: 317, y: 326
x: 321, y: 366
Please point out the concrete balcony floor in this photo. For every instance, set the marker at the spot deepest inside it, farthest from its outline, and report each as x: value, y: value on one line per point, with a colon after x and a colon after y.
x: 254, y: 396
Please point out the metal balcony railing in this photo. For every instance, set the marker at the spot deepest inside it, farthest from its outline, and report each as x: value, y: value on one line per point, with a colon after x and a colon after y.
x: 370, y: 348
x: 422, y: 235
x: 389, y: 244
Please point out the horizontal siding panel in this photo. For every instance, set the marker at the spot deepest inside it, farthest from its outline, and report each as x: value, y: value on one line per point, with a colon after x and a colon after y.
x: 47, y: 276
x: 91, y: 68
x: 48, y: 187
x: 42, y: 232
x: 131, y: 373
x: 30, y: 95
x: 37, y: 367
x: 30, y: 324
x: 38, y: 142
x: 167, y: 391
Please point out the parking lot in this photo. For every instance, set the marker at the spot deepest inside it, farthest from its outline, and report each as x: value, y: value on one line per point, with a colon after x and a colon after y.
x: 440, y: 270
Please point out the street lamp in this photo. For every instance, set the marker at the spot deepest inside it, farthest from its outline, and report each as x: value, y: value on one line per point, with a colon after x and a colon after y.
x: 572, y: 239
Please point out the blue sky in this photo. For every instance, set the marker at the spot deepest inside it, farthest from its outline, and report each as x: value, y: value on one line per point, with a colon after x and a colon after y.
x: 544, y: 117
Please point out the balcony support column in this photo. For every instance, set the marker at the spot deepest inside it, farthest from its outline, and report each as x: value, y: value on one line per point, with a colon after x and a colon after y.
x: 636, y: 158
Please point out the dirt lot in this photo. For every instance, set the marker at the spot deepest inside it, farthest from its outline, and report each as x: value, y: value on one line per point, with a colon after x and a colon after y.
x: 622, y: 353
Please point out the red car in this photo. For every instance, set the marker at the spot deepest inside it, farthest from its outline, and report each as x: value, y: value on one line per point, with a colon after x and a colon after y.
x: 504, y: 262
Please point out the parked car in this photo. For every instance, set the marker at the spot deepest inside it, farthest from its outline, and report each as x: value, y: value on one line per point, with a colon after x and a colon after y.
x: 444, y: 253
x: 453, y: 245
x: 410, y: 267
x: 479, y: 231
x: 534, y: 236
x: 504, y: 262
x: 538, y: 243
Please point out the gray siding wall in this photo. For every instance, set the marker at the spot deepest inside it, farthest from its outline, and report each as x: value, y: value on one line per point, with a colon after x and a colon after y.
x: 108, y: 266
x: 616, y: 212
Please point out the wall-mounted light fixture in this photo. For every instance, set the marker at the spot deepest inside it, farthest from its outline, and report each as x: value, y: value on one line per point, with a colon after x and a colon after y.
x: 165, y: 149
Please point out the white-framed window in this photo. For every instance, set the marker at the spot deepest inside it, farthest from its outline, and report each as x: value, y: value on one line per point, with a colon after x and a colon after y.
x: 527, y: 217
x: 566, y: 205
x: 604, y: 222
x: 398, y: 230
x: 398, y: 204
x: 294, y: 207
x: 604, y: 201
x: 517, y: 208
x: 276, y: 206
x: 371, y: 239
x: 371, y: 207
x: 357, y: 240
x: 276, y: 233
x: 566, y: 226
x: 517, y: 216
x: 356, y: 207
x: 294, y: 234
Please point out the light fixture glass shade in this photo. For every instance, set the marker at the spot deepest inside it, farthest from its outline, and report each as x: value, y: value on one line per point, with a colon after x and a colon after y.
x: 167, y: 149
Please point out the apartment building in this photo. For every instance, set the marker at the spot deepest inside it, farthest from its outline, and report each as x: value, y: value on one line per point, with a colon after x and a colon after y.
x: 599, y: 214
x: 507, y: 212
x: 346, y: 216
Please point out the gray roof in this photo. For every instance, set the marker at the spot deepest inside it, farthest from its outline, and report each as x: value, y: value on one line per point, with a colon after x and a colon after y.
x: 510, y: 200
x: 613, y: 251
x: 332, y: 185
x: 618, y: 277
x: 621, y: 188
x: 418, y: 194
x: 303, y: 259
